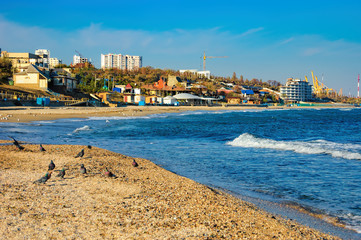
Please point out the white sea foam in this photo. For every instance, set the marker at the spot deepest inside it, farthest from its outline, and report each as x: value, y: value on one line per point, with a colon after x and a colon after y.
x: 336, y: 150
x: 354, y: 221
x: 84, y: 128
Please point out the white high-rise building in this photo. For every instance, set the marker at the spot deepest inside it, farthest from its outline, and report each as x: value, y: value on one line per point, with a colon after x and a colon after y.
x: 120, y: 61
x: 296, y: 90
x: 78, y: 59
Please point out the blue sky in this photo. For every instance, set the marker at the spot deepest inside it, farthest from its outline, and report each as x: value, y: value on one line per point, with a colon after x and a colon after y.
x: 268, y: 40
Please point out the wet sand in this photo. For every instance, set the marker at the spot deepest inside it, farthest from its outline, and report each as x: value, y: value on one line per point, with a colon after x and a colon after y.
x: 147, y: 202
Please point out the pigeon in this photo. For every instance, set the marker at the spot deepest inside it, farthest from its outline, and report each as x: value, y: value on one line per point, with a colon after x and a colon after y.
x: 134, y: 163
x: 80, y: 154
x: 51, y: 165
x: 82, y: 169
x: 42, y: 149
x: 108, y: 173
x: 17, y: 144
x: 61, y: 173
x: 44, y: 178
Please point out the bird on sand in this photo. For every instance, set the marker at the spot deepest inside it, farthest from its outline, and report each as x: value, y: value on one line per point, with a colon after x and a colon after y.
x: 108, y: 173
x: 51, y: 166
x: 61, y: 173
x: 89, y: 146
x: 82, y: 169
x: 17, y: 144
x: 42, y: 149
x: 134, y: 163
x: 44, y: 178
x: 80, y: 154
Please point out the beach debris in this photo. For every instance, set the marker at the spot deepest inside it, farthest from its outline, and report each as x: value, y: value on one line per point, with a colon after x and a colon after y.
x: 82, y: 169
x: 44, y: 178
x: 89, y: 146
x: 61, y: 173
x: 134, y: 163
x: 42, y: 149
x: 80, y: 154
x: 51, y: 166
x: 108, y: 173
x: 17, y: 144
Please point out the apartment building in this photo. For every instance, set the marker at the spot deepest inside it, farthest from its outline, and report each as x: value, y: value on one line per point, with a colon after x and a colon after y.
x: 124, y: 62
x: 78, y: 59
x: 296, y: 90
x: 53, y: 62
x: 22, y: 60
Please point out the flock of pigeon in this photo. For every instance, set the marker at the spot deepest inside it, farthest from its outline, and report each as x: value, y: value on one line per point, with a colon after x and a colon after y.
x: 61, y: 174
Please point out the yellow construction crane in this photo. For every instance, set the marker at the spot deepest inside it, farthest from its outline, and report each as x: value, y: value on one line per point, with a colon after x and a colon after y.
x: 320, y: 87
x: 340, y: 93
x: 205, y: 57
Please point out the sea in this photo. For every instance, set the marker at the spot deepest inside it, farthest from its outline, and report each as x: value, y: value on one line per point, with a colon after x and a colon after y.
x: 288, y: 159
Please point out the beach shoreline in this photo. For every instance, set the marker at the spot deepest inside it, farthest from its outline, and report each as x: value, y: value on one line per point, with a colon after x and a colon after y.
x: 147, y: 202
x: 29, y: 114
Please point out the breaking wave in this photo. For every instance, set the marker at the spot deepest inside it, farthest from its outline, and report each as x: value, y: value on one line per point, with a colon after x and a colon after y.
x: 84, y: 128
x: 336, y: 150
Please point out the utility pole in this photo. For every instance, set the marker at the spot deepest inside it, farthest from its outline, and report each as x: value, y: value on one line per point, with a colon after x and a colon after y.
x: 358, y: 86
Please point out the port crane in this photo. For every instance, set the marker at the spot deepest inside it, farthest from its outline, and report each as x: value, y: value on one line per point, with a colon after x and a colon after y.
x: 205, y: 57
x: 320, y: 88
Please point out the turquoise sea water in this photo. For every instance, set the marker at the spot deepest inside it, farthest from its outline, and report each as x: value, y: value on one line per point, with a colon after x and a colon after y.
x: 305, y: 157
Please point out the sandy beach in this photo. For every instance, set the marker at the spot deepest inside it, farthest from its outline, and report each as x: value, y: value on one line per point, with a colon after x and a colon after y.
x: 28, y: 114
x: 144, y: 202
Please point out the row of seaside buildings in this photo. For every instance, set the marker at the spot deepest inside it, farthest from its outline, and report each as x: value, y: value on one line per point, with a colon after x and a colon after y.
x: 42, y: 58
x: 38, y: 71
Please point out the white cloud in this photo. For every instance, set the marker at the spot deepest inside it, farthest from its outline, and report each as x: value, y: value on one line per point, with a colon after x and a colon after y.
x: 261, y: 56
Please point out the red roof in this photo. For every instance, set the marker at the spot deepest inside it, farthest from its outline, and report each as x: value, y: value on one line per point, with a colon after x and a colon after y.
x: 128, y: 86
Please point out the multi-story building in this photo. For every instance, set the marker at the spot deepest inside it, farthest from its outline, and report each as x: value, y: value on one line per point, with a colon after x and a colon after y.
x: 79, y: 59
x: 23, y: 60
x: 125, y: 62
x: 53, y: 62
x: 45, y: 55
x: 296, y: 90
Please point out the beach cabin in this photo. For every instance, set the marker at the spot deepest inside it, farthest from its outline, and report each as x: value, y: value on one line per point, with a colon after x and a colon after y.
x: 160, y: 100
x: 128, y: 98
x: 188, y: 99
x: 151, y: 99
x: 169, y: 100
x: 139, y: 98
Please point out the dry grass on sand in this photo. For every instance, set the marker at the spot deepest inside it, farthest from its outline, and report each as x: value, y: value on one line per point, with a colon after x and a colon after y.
x: 146, y: 202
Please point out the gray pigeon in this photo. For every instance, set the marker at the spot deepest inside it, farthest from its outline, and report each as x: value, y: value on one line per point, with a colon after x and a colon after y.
x: 51, y: 166
x: 17, y: 144
x: 82, y: 169
x: 134, y: 163
x: 108, y: 173
x: 80, y: 154
x: 42, y: 149
x: 44, y: 178
x: 61, y: 173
